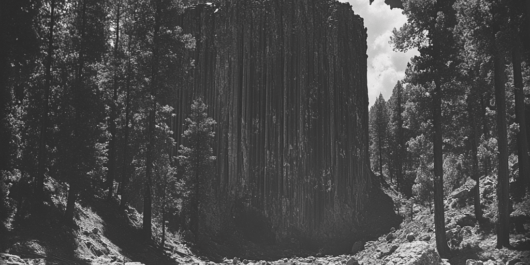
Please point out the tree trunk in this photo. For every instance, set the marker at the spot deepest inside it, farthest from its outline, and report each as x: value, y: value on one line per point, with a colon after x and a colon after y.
x: 401, y: 146
x: 411, y: 210
x: 503, y: 239
x: 197, y: 207
x: 70, y: 204
x: 474, y: 146
x: 77, y: 160
x: 439, y: 219
x: 522, y: 143
x: 125, y: 163
x: 5, y: 95
x: 148, y: 173
x: 527, y: 3
x: 380, y: 152
x: 151, y: 130
x: 163, y: 228
x: 41, y: 168
x: 164, y: 213
x: 112, y: 128
x: 485, y: 130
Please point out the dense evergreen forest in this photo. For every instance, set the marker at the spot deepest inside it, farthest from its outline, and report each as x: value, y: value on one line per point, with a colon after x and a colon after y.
x: 462, y: 111
x: 89, y: 106
x: 86, y: 88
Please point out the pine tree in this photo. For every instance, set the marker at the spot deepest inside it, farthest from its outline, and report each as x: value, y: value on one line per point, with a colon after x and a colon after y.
x: 484, y: 28
x: 429, y: 28
x: 397, y: 141
x: 522, y: 141
x: 197, y: 159
x: 45, y: 109
x: 161, y: 45
x: 115, y: 83
x: 80, y: 151
x: 379, y: 133
x: 18, y: 48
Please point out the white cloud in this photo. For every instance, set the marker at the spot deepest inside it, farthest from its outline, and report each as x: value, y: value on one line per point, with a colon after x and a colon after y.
x: 385, y: 67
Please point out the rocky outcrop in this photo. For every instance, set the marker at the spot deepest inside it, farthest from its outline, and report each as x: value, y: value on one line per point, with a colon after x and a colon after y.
x: 462, y: 194
x: 415, y: 253
x: 6, y: 258
x: 286, y: 82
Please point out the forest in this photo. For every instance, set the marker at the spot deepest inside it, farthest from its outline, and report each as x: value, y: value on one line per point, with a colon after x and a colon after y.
x: 242, y: 128
x: 85, y: 93
x: 462, y: 110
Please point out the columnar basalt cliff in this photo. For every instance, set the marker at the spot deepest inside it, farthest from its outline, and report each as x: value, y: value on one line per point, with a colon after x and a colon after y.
x: 286, y: 82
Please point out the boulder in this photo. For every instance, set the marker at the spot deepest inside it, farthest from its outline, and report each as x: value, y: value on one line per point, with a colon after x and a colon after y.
x: 450, y: 225
x: 411, y: 237
x: 352, y: 261
x: 93, y: 249
x: 460, y: 194
x: 487, y: 190
x: 386, y: 250
x: 487, y: 182
x: 522, y: 244
x: 98, y: 249
x: 465, y: 220
x: 450, y: 233
x: 455, y: 204
x: 454, y: 238
x: 425, y: 238
x: 10, y: 259
x: 357, y: 246
x: 469, y: 243
x: 29, y: 246
x: 513, y: 261
x: 114, y: 258
x: 466, y: 231
x: 390, y: 237
x: 309, y: 259
x: 414, y: 253
x: 101, y: 260
x: 518, y: 219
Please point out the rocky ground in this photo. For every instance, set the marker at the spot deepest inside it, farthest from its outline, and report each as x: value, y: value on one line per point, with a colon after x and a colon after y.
x: 470, y: 242
x: 106, y: 236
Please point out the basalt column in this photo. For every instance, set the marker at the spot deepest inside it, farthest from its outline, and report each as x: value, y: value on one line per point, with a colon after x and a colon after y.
x: 286, y: 82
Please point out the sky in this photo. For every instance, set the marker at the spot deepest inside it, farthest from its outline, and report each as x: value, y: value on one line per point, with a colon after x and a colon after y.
x: 385, y: 67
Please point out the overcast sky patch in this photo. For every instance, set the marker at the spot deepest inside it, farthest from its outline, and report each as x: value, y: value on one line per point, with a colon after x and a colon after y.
x: 385, y: 67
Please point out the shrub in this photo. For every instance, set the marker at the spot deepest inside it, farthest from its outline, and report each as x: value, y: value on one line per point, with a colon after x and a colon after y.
x: 423, y: 188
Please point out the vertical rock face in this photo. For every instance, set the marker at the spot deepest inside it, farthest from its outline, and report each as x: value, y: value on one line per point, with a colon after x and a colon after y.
x: 286, y: 82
